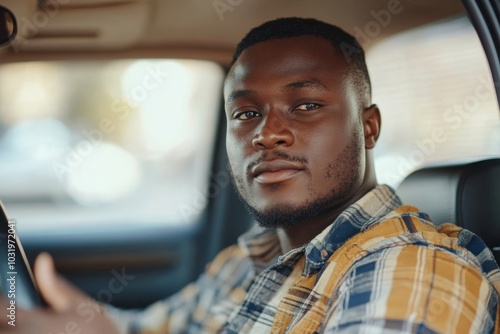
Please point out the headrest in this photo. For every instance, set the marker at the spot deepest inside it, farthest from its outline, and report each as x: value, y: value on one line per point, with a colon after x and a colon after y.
x: 467, y: 195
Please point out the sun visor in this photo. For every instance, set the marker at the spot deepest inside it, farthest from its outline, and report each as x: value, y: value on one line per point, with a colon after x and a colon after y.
x: 73, y: 25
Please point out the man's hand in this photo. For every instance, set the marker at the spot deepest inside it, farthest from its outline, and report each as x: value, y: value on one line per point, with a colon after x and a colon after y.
x: 69, y: 310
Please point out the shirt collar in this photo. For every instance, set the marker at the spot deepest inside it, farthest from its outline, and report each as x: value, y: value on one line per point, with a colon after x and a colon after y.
x: 263, y: 248
x: 368, y: 210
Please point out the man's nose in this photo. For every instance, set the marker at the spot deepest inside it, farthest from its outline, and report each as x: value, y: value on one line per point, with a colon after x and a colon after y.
x: 274, y: 132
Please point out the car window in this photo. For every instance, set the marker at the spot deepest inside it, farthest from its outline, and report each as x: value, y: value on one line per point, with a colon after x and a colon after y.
x: 437, y: 99
x: 87, y: 143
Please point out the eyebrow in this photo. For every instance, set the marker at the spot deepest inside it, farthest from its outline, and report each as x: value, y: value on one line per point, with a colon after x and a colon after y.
x: 239, y: 93
x: 314, y: 84
x: 296, y: 85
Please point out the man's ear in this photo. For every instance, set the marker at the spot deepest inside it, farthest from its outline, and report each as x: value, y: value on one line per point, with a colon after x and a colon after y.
x: 371, y: 125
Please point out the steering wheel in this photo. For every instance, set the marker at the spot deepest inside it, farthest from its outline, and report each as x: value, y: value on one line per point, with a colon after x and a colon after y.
x: 16, y: 279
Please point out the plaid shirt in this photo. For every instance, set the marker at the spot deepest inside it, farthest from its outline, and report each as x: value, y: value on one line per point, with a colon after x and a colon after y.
x: 380, y: 267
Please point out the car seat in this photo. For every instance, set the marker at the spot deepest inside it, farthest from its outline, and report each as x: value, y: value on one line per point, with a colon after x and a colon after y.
x: 465, y: 194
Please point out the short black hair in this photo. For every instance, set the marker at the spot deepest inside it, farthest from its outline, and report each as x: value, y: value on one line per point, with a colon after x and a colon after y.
x: 344, y: 43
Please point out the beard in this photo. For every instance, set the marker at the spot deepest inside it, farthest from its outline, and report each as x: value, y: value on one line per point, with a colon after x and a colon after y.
x: 285, y: 214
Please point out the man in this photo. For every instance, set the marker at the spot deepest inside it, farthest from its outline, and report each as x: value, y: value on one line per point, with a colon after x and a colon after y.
x: 335, y: 252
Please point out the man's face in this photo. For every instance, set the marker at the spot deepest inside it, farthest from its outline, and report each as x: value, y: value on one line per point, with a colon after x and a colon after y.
x: 294, y: 137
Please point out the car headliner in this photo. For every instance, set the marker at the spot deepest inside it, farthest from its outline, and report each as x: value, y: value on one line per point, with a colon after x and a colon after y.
x: 192, y: 29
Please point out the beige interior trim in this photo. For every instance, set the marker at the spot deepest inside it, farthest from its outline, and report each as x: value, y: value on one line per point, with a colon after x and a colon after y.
x: 219, y: 55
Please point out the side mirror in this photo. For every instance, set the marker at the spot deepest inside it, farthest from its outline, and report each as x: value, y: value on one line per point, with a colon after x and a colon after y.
x: 8, y: 26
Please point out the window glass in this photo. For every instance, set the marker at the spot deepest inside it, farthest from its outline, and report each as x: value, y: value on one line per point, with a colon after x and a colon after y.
x: 437, y: 99
x: 101, y: 142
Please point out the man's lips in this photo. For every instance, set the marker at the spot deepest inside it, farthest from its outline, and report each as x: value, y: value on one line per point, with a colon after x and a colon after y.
x: 275, y: 171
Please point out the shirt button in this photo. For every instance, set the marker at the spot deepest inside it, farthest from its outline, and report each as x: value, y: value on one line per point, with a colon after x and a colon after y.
x: 324, y: 253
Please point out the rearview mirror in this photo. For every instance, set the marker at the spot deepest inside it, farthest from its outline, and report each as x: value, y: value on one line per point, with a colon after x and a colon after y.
x: 8, y: 26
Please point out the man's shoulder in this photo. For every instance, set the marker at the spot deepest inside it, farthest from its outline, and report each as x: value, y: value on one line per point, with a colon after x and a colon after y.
x: 425, y: 273
x: 407, y: 227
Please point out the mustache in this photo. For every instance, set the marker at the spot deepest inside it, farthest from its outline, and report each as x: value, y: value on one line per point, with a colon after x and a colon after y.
x: 276, y: 155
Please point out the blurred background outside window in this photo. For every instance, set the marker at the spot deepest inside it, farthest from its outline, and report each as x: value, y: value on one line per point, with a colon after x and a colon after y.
x: 436, y: 95
x: 94, y: 143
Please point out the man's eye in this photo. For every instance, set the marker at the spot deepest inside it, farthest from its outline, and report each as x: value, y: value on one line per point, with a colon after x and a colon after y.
x: 246, y: 115
x: 307, y: 106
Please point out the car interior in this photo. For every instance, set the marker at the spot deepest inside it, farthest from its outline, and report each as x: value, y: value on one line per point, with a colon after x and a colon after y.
x: 112, y: 126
